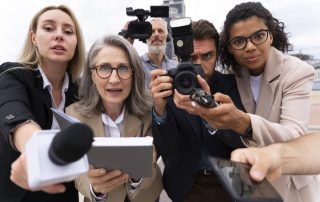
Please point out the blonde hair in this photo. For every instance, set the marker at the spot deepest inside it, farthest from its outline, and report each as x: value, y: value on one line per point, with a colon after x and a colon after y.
x: 29, y: 55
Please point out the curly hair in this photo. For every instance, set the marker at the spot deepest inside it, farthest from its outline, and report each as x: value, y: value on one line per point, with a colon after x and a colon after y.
x: 244, y: 11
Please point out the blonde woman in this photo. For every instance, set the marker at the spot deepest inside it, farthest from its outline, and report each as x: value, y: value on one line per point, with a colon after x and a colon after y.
x: 51, y: 60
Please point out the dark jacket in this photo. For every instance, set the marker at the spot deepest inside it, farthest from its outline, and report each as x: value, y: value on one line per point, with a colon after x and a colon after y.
x: 22, y: 97
x: 182, y: 137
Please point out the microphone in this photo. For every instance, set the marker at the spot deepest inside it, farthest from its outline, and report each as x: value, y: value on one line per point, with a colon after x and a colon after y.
x: 70, y: 144
x: 55, y: 156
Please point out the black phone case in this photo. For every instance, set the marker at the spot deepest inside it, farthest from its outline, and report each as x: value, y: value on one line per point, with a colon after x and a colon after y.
x: 263, y: 191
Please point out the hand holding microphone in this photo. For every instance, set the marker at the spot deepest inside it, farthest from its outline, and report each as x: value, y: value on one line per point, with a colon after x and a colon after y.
x: 55, y: 157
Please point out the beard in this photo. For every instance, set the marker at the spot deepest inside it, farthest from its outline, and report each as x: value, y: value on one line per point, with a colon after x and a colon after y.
x: 156, y: 49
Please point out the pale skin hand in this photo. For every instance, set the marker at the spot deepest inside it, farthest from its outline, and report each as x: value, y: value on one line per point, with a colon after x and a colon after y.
x: 266, y: 162
x: 296, y: 157
x: 19, y: 167
x: 184, y: 102
x: 20, y: 178
x: 103, y: 181
x: 225, y: 115
x: 161, y: 88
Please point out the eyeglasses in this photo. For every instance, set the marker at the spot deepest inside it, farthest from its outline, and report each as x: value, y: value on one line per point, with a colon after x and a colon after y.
x: 104, y: 71
x: 240, y: 42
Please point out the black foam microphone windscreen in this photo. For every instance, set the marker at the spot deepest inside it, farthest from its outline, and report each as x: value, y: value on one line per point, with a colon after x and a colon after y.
x: 70, y: 144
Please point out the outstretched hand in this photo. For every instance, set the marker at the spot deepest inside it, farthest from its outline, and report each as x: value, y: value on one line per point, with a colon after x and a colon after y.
x: 19, y: 177
x: 266, y: 162
x: 225, y: 115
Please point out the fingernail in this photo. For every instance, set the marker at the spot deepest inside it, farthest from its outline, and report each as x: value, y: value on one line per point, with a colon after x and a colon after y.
x: 193, y: 104
x: 256, y: 175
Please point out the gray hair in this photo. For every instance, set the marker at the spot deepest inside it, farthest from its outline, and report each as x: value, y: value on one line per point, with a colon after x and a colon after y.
x: 161, y: 20
x: 138, y: 102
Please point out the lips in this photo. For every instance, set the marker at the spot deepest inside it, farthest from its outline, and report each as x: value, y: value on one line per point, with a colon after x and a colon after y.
x: 58, y: 48
x: 114, y: 90
x: 157, y: 41
x: 252, y: 58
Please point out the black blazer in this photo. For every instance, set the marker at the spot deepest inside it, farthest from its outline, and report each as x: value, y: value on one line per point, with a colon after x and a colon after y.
x: 182, y: 137
x: 22, y: 97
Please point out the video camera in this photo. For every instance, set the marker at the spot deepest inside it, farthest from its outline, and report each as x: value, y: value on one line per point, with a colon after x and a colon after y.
x: 185, y: 74
x: 140, y: 28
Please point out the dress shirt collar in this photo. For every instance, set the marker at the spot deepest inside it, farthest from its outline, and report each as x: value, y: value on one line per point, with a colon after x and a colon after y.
x: 47, y: 84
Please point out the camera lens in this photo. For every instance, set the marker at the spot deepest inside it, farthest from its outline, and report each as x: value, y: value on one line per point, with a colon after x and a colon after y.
x: 185, y: 82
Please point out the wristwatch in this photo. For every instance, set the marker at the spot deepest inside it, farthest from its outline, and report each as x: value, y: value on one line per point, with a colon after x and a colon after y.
x: 248, y: 133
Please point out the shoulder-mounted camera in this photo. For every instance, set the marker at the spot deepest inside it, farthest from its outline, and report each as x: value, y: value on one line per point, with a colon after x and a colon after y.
x: 140, y: 28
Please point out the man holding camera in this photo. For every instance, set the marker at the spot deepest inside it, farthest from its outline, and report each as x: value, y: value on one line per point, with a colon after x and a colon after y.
x: 155, y: 58
x: 181, y: 137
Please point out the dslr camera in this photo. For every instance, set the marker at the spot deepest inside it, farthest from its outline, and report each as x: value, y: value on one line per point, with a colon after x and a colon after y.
x: 140, y: 28
x: 185, y: 74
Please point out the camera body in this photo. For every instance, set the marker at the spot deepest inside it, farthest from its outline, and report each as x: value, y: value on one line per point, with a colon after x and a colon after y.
x: 185, y: 77
x: 185, y: 74
x: 140, y: 28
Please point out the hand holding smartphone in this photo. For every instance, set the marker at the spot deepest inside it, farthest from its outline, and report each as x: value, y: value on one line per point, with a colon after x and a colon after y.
x: 236, y: 180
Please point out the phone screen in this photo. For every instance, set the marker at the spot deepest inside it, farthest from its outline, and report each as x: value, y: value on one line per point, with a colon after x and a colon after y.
x: 237, y: 182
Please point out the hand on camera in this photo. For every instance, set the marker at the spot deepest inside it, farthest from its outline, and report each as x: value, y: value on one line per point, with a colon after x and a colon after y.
x: 103, y: 181
x: 124, y: 32
x: 184, y: 102
x: 225, y: 115
x: 161, y: 88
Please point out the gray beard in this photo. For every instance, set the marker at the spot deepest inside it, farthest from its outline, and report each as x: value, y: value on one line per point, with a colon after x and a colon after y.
x: 156, y: 49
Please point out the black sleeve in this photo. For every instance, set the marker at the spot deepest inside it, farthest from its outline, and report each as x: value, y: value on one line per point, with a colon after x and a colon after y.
x: 226, y: 84
x: 14, y: 104
x: 166, y: 135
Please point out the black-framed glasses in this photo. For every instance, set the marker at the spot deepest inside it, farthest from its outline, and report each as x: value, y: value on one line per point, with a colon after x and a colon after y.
x: 104, y: 71
x: 240, y: 42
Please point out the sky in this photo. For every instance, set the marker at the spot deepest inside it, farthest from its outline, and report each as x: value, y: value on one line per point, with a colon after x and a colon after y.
x: 100, y: 17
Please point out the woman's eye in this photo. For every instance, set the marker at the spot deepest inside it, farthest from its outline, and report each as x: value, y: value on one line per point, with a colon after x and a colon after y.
x: 238, y: 41
x: 123, y: 68
x: 258, y: 36
x: 68, y: 32
x: 48, y: 29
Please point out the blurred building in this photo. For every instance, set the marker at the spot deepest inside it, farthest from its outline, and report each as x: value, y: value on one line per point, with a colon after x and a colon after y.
x: 176, y: 10
x: 316, y: 65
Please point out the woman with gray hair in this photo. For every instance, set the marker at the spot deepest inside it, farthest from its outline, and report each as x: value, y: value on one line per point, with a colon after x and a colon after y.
x: 114, y: 103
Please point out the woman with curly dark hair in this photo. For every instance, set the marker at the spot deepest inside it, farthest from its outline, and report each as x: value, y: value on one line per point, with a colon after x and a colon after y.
x: 274, y: 89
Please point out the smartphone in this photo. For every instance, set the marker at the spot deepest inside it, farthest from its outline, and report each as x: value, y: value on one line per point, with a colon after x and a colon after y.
x: 238, y: 184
